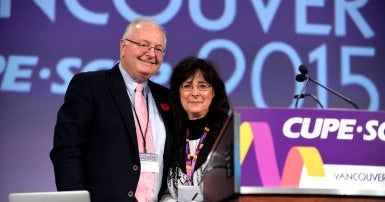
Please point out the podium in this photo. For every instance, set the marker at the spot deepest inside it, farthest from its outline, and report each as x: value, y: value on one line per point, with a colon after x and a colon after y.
x: 298, y: 155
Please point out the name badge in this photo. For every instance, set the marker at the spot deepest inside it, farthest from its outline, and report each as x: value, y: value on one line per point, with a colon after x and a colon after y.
x: 189, y: 193
x: 149, y: 162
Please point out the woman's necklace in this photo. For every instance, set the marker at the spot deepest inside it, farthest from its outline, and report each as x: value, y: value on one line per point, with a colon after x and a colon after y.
x: 191, y: 160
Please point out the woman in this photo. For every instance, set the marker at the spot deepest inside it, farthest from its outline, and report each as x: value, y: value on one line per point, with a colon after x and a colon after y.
x: 200, y: 107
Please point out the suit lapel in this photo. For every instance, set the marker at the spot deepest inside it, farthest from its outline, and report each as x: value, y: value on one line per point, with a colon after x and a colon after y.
x: 160, y: 96
x: 161, y: 100
x: 119, y: 93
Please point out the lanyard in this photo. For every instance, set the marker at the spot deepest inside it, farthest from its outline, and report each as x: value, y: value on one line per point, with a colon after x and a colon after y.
x: 140, y: 127
x: 191, y: 160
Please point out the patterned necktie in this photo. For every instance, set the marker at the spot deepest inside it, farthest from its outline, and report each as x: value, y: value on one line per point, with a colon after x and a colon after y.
x: 146, y: 185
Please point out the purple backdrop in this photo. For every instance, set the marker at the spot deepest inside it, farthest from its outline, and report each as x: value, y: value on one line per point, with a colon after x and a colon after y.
x: 257, y: 47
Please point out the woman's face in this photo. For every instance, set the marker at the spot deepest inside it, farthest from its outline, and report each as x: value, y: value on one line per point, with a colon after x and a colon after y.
x: 196, y: 95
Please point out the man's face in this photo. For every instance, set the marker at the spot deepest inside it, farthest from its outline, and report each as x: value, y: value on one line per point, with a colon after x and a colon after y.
x: 141, y: 51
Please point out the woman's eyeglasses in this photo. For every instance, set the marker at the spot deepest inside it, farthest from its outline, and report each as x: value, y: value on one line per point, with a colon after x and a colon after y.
x: 190, y: 86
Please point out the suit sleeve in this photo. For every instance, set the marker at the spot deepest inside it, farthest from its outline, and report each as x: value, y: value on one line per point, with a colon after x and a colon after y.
x: 70, y: 135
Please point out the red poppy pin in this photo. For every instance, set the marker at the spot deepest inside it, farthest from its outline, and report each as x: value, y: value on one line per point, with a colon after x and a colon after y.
x: 165, y: 107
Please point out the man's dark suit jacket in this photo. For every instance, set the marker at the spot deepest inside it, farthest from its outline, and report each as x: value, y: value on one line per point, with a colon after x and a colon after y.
x: 95, y: 144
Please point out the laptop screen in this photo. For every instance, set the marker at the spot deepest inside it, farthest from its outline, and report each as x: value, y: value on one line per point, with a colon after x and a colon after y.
x: 60, y: 196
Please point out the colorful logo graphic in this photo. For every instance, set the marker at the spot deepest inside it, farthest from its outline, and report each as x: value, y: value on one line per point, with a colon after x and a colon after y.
x: 259, y: 135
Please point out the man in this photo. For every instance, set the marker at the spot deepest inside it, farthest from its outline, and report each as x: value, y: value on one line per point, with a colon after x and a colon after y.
x: 100, y: 143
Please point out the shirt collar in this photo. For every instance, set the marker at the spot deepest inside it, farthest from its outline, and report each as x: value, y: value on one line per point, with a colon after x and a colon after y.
x: 130, y: 82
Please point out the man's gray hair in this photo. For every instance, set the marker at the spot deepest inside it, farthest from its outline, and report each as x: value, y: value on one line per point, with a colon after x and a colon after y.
x: 141, y: 20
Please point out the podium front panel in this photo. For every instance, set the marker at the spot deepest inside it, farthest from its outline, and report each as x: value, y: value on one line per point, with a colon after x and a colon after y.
x: 305, y: 151
x: 310, y: 150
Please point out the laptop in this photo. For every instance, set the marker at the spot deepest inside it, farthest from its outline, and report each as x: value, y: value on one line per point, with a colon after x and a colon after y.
x: 59, y: 196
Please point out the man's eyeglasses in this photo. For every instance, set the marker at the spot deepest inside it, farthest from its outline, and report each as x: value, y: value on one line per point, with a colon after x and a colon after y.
x: 200, y: 86
x: 145, y: 47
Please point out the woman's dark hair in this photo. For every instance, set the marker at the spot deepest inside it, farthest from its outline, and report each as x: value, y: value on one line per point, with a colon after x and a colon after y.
x: 219, y: 107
